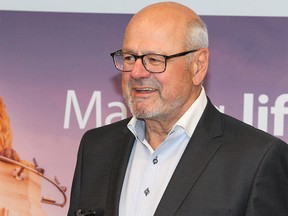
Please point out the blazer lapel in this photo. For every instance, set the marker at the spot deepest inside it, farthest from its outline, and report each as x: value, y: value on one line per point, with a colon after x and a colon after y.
x: 199, y: 151
x: 121, y: 157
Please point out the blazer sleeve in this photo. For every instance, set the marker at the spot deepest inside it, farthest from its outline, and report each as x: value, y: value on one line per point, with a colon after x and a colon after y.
x: 269, y: 192
x: 76, y: 185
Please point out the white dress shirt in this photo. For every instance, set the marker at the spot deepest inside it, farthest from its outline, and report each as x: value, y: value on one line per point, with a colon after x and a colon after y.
x: 149, y: 172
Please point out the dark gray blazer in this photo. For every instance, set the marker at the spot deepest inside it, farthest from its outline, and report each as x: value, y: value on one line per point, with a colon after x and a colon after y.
x: 228, y: 168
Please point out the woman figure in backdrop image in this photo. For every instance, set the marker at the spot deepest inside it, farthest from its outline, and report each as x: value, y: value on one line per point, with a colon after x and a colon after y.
x: 177, y: 154
x: 6, y: 149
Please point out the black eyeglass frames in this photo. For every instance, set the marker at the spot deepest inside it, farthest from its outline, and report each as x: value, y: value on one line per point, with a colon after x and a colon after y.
x: 154, y: 63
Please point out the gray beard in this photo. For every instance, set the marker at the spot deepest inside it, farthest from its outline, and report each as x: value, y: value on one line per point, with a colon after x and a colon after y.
x: 159, y: 112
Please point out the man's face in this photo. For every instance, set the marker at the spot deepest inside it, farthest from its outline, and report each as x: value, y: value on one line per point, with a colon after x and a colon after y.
x: 158, y: 96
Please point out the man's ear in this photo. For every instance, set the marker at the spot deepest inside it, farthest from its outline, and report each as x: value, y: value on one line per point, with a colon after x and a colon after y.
x: 200, y: 65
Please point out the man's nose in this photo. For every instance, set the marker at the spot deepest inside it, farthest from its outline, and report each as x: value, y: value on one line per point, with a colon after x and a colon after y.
x: 139, y: 71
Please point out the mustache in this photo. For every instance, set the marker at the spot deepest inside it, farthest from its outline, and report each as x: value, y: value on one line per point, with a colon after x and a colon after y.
x: 144, y: 82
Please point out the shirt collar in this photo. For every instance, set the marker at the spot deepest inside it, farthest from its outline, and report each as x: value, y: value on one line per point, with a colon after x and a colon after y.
x: 188, y: 121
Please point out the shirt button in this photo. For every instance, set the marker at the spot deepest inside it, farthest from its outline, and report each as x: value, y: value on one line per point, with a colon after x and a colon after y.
x: 155, y: 160
x: 146, y: 191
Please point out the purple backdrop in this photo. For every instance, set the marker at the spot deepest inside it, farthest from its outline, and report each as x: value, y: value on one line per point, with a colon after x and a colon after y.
x: 43, y: 55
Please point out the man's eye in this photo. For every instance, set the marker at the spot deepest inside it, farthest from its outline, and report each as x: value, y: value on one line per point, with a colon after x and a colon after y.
x: 129, y: 58
x: 155, y: 59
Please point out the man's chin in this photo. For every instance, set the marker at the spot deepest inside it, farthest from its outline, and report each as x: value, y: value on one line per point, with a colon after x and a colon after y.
x: 145, y: 113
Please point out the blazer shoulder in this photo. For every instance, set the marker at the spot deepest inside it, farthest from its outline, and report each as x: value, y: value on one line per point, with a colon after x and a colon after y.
x: 237, y: 131
x: 240, y: 130
x: 108, y: 130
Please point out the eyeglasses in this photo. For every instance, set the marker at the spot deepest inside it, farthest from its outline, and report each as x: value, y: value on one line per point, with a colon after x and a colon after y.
x: 154, y: 63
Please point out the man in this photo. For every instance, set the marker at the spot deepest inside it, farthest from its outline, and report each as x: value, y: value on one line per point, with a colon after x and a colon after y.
x: 177, y: 155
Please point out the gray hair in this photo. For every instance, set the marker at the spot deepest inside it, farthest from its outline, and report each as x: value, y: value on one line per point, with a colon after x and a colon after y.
x: 197, y: 35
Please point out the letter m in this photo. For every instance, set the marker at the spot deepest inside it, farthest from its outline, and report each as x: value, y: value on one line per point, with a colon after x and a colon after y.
x: 72, y: 101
